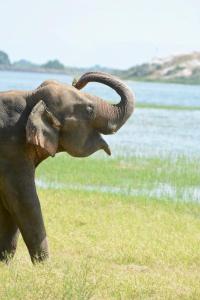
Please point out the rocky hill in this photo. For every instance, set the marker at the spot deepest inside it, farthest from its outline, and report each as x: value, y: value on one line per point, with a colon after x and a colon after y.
x: 178, y: 68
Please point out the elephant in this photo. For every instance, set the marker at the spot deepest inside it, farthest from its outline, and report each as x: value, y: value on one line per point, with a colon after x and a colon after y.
x: 55, y: 117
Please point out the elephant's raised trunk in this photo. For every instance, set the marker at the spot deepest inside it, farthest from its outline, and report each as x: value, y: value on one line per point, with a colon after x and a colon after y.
x: 109, y: 118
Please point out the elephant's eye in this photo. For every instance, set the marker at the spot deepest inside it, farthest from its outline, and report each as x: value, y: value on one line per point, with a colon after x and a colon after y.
x: 90, y: 110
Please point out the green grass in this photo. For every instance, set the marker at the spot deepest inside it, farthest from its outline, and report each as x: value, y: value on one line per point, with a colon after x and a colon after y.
x: 112, y: 246
x: 169, y: 107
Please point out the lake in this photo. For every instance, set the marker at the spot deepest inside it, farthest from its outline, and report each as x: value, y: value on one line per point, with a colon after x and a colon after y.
x: 150, y: 131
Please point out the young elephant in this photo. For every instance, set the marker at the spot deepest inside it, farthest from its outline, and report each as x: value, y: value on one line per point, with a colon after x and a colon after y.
x: 34, y: 125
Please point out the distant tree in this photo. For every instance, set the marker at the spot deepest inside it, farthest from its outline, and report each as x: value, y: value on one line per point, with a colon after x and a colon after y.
x: 23, y: 63
x: 4, y: 59
x: 54, y: 64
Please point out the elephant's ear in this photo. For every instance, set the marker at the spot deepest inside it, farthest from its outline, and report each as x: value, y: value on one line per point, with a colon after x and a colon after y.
x: 42, y: 128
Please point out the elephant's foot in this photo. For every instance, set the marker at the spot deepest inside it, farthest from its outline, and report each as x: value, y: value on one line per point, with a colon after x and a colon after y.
x: 8, y: 246
x: 40, y: 253
x: 6, y: 254
x: 9, y: 233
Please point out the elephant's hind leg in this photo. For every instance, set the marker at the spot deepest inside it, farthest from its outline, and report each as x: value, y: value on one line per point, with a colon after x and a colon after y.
x: 8, y: 235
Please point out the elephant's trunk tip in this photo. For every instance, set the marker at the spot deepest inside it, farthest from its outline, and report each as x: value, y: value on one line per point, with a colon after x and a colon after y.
x: 74, y: 82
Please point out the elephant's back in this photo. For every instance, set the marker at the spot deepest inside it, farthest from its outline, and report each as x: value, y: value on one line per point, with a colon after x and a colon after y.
x: 12, y: 120
x: 12, y: 105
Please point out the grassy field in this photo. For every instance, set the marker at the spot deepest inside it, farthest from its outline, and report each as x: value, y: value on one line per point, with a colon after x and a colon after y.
x: 117, y: 229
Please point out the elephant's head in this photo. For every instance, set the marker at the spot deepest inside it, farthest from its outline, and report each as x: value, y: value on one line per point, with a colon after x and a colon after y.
x: 65, y: 119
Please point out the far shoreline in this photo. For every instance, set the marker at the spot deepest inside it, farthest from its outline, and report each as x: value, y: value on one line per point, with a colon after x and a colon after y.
x: 84, y: 70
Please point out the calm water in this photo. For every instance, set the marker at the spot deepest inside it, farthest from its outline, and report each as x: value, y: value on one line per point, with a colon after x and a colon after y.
x: 149, y: 131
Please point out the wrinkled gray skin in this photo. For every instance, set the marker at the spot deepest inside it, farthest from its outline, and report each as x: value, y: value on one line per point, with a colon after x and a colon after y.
x: 34, y: 125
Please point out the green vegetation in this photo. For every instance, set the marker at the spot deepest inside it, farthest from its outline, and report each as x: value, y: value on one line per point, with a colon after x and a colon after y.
x: 54, y: 64
x: 24, y: 64
x: 193, y: 80
x: 51, y: 66
x: 170, y: 107
x: 113, y: 246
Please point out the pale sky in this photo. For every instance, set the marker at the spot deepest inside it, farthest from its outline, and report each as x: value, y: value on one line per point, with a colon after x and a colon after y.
x: 113, y: 33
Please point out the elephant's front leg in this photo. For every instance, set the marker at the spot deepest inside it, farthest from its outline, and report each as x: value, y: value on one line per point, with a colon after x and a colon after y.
x: 23, y: 204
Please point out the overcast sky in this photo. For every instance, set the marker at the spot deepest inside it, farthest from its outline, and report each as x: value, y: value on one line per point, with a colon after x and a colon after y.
x: 113, y: 33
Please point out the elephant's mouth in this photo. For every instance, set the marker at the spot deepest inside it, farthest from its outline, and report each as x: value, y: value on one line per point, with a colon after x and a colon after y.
x: 105, y: 146
x: 94, y: 143
x: 85, y: 147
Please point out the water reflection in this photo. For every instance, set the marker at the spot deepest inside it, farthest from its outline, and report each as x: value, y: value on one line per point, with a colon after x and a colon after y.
x: 161, y: 191
x: 152, y: 132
